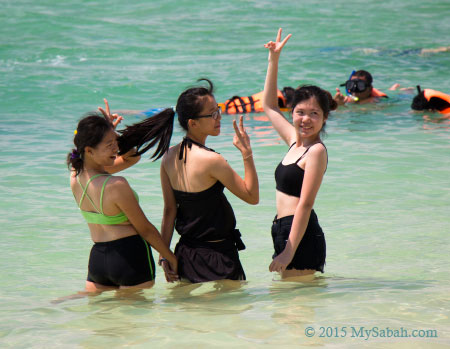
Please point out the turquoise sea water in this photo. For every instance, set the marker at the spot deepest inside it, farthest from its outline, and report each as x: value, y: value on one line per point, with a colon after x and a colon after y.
x: 383, y: 205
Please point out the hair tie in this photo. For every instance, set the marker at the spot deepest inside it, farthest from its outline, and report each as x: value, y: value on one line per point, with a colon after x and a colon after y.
x: 74, y: 155
x: 75, y: 132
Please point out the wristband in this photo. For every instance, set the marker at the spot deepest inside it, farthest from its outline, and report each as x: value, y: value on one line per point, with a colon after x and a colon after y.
x: 162, y: 260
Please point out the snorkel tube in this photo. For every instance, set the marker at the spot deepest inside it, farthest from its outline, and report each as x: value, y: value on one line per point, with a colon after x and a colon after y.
x: 349, y: 94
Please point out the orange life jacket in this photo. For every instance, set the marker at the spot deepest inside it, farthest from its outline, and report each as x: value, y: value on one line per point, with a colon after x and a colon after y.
x: 429, y: 94
x: 250, y: 104
x: 378, y: 93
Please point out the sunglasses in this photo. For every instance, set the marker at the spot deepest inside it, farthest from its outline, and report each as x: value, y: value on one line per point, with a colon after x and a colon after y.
x: 215, y: 115
x: 355, y: 85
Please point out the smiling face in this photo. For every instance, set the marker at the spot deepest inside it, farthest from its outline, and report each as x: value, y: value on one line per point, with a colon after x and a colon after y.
x: 308, y: 118
x: 106, y: 151
x: 208, y: 125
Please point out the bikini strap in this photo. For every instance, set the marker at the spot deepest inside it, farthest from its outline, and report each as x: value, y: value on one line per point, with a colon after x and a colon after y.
x: 301, y: 157
x: 187, y: 143
x: 292, y: 145
x: 85, y: 190
x: 326, y: 150
x: 307, y: 151
x: 101, y: 193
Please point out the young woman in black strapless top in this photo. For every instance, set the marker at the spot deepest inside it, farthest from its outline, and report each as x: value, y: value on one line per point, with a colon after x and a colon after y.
x: 298, y: 239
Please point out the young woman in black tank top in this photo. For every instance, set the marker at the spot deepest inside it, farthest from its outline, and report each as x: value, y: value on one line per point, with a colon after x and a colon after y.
x: 193, y: 178
x: 298, y: 239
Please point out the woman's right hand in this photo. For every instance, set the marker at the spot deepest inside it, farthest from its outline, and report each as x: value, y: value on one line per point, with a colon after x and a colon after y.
x: 275, y: 47
x: 241, y: 140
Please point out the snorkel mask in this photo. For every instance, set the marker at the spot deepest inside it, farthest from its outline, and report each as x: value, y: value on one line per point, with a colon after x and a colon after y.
x: 352, y: 86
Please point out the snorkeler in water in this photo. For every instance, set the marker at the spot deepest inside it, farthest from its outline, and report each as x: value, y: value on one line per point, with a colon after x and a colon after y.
x: 237, y: 104
x: 358, y: 89
x: 431, y: 100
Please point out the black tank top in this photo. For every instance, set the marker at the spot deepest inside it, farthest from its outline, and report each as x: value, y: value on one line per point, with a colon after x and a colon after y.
x: 289, y: 178
x: 205, y: 215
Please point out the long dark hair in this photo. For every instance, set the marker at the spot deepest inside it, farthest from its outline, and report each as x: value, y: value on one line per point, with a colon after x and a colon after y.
x: 145, y: 134
x: 323, y: 98
x: 159, y: 128
x: 89, y: 133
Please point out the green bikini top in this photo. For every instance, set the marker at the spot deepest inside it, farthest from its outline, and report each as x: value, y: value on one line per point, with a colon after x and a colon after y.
x: 99, y: 217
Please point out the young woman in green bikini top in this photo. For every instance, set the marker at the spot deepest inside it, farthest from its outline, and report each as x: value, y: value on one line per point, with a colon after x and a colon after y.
x: 111, y: 209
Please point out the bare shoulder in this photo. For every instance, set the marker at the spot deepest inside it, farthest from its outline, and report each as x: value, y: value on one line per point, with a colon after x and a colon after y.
x: 73, y: 180
x: 213, y: 159
x: 212, y: 164
x: 118, y: 184
x: 170, y: 155
x: 319, y: 151
x: 319, y: 148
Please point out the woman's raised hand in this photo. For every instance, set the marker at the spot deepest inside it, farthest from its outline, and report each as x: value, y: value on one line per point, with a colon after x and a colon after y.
x: 275, y: 47
x: 241, y: 140
x: 115, y: 119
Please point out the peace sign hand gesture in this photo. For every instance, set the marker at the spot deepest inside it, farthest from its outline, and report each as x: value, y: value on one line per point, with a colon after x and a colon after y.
x: 241, y: 140
x: 275, y: 47
x: 115, y: 119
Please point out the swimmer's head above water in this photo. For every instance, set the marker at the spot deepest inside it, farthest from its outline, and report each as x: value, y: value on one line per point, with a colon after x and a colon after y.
x: 431, y: 100
x: 288, y: 94
x: 359, y: 85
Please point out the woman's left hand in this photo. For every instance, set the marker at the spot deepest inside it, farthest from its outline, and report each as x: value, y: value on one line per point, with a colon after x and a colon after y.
x: 115, y: 119
x: 280, y: 262
x: 241, y: 140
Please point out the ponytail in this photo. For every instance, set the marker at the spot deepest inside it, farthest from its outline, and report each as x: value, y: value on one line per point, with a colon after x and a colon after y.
x: 331, y: 102
x: 74, y: 161
x: 146, y: 134
x: 158, y: 129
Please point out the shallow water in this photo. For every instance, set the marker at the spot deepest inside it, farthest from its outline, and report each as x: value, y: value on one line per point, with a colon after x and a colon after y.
x: 383, y: 204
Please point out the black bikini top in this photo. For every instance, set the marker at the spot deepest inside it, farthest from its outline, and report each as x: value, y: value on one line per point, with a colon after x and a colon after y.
x: 187, y: 143
x: 289, y: 178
